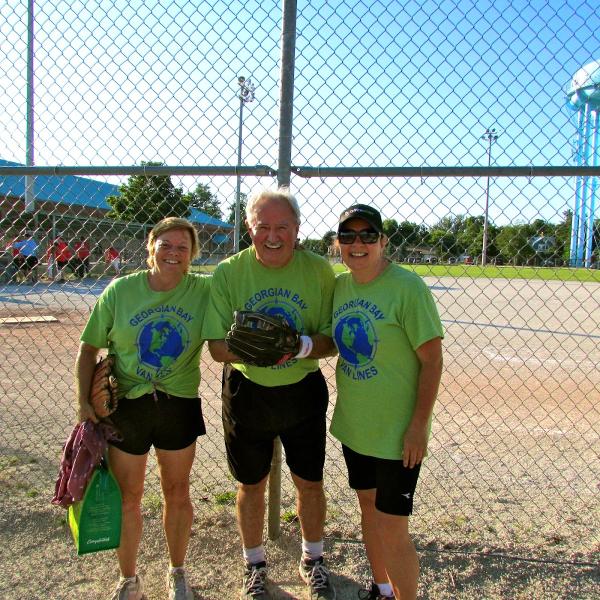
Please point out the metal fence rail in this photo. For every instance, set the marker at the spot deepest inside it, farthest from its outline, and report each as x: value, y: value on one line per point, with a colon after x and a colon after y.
x: 391, y: 106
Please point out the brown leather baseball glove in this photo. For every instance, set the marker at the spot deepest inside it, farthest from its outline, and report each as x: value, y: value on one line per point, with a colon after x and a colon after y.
x: 103, y: 393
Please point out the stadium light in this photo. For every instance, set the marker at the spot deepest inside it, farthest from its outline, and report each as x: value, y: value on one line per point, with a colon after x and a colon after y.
x: 491, y: 136
x: 246, y: 94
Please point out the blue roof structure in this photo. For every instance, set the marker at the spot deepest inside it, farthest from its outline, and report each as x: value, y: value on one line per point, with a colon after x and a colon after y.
x: 79, y: 191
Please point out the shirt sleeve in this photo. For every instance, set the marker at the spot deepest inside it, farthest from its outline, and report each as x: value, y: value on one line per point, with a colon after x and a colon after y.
x: 219, y: 312
x: 96, y: 331
x: 420, y: 318
x: 327, y: 289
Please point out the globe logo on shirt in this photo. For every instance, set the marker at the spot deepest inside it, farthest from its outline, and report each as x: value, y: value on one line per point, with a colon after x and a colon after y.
x: 161, y: 342
x: 355, y: 338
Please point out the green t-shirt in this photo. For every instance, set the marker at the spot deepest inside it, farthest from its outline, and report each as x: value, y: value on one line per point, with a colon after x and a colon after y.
x: 155, y: 336
x: 301, y: 292
x: 377, y: 327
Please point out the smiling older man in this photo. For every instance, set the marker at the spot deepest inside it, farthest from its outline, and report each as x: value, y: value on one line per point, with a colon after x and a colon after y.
x: 287, y: 400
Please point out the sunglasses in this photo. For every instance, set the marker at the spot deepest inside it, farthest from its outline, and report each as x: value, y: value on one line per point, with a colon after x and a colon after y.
x: 366, y: 236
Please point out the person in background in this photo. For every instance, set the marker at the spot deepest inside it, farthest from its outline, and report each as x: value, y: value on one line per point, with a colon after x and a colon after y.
x: 27, y: 253
x: 151, y: 323
x: 388, y: 334
x: 64, y: 258
x: 14, y: 266
x: 288, y: 400
x: 51, y: 266
x: 82, y: 254
x: 113, y: 258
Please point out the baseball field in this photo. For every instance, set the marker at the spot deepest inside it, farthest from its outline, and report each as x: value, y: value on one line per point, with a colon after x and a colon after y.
x: 508, y: 502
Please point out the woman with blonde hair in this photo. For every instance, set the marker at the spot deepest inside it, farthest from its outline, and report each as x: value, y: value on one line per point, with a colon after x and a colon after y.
x: 150, y: 322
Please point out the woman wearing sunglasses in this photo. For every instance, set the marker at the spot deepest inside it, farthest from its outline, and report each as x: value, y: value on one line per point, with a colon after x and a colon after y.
x: 388, y: 334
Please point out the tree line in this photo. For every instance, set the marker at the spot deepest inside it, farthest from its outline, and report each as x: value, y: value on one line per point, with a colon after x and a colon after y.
x: 458, y: 237
x: 147, y: 199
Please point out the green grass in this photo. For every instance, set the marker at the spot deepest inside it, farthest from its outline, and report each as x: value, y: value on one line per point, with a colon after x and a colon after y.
x: 289, y: 516
x: 225, y: 498
x: 152, y: 502
x: 479, y: 272
x: 495, y: 272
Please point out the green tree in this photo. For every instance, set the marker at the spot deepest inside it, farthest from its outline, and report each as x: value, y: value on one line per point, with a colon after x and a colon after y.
x: 245, y: 241
x: 513, y: 244
x: 329, y: 240
x: 403, y: 236
x: 390, y: 228
x: 320, y: 246
x: 444, y: 243
x: 315, y: 246
x: 203, y: 199
x: 148, y: 199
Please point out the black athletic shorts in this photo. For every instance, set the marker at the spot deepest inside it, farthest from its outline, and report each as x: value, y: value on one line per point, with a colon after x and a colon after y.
x: 254, y: 415
x: 394, y: 483
x: 165, y: 422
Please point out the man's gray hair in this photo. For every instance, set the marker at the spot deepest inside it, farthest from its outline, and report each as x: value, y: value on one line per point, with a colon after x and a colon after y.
x: 282, y: 194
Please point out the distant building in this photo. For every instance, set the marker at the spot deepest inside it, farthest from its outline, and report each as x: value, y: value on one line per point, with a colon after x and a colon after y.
x: 420, y: 254
x: 78, y: 205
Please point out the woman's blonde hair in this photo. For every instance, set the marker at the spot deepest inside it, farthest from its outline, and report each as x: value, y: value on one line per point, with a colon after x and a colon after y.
x: 168, y: 224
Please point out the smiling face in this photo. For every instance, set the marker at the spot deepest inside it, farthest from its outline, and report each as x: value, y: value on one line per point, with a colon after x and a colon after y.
x: 171, y: 252
x: 365, y: 261
x: 274, y: 231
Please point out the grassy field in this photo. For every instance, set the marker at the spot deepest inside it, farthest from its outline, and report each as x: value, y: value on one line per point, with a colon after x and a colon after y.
x: 479, y: 272
x: 494, y: 272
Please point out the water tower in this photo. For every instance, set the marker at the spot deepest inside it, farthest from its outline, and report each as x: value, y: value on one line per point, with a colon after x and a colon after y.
x: 583, y: 96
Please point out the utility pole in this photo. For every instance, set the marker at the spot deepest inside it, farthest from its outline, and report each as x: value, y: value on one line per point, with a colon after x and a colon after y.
x: 491, y: 136
x: 246, y: 94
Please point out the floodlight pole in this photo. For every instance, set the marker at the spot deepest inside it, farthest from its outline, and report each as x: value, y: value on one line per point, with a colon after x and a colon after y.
x: 246, y: 94
x: 491, y: 136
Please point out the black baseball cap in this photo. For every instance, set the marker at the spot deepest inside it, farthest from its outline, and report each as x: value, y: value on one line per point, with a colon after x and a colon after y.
x: 366, y: 213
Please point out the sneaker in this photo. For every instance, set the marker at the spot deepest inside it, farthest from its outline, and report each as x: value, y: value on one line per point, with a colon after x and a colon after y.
x: 316, y: 576
x: 255, y: 582
x: 129, y: 588
x: 178, y: 585
x: 373, y: 593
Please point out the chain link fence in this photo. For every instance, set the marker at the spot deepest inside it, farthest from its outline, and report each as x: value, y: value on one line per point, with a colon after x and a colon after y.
x: 124, y: 110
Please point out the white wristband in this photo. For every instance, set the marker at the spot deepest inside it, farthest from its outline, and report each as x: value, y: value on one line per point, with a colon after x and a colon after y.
x: 306, y: 346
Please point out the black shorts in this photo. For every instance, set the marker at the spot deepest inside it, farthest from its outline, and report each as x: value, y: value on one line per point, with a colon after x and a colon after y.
x: 254, y: 415
x: 394, y: 483
x: 167, y: 422
x: 29, y: 263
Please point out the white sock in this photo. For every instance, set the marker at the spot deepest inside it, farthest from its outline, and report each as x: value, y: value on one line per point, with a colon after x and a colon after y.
x: 254, y: 555
x: 176, y: 569
x: 312, y: 550
x: 385, y: 589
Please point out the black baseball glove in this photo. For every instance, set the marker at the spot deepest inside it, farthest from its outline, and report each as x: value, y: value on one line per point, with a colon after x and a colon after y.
x: 262, y: 340
x: 103, y: 393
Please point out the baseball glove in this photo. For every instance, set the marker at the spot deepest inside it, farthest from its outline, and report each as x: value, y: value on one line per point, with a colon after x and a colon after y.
x: 103, y: 393
x: 262, y: 340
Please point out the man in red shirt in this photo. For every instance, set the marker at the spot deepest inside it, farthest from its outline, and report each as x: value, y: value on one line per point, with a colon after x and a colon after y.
x: 63, y: 256
x: 113, y: 258
x: 82, y: 252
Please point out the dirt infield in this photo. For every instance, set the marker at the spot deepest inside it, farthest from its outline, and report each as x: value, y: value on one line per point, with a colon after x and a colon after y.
x: 513, y: 467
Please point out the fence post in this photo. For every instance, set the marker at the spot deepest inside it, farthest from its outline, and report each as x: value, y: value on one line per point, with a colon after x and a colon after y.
x: 286, y: 111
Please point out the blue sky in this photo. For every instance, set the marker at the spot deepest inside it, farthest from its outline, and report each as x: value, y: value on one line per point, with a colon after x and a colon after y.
x: 378, y: 83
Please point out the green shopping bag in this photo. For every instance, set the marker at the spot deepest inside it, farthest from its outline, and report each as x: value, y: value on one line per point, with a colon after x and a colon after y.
x: 95, y: 520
